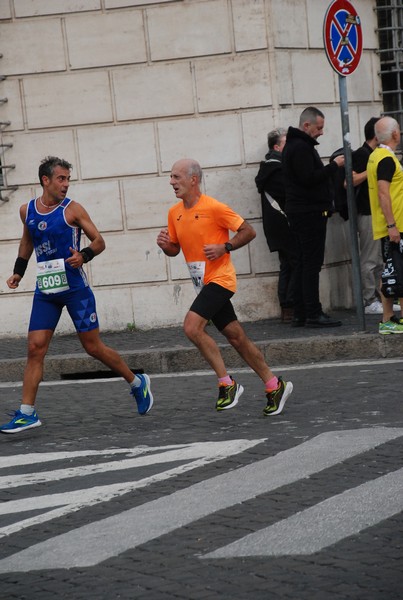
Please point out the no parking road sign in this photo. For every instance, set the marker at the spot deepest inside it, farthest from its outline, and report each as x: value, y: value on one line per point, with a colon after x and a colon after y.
x: 342, y: 36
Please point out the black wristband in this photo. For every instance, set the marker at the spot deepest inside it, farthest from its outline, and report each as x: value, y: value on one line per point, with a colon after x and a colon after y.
x: 20, y: 266
x: 88, y: 254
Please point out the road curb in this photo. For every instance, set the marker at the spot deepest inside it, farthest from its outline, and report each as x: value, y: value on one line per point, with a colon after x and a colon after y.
x: 297, y: 351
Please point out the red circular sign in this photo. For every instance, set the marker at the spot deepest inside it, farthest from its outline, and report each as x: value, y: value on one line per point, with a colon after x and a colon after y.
x: 342, y: 36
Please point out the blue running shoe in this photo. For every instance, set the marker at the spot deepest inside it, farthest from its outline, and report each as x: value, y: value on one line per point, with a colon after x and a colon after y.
x: 21, y: 422
x: 143, y: 395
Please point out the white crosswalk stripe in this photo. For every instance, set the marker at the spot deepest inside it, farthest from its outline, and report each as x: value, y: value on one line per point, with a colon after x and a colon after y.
x: 98, y: 541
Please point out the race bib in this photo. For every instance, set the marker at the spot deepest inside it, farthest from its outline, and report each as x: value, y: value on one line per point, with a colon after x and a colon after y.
x: 51, y: 276
x: 196, y: 270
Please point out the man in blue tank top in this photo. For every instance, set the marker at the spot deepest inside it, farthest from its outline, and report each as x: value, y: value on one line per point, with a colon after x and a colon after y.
x: 52, y: 228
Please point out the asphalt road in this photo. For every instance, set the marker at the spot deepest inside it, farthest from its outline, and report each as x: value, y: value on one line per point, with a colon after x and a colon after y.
x: 187, y: 503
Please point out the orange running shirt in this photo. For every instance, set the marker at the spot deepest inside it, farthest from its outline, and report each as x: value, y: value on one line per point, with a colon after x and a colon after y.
x: 207, y: 222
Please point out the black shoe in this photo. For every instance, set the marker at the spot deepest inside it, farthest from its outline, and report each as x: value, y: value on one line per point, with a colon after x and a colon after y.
x: 277, y: 398
x: 287, y: 315
x: 323, y: 320
x: 228, y: 395
x: 298, y: 322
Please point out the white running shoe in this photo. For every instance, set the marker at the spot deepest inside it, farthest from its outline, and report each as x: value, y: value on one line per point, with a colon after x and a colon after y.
x: 375, y: 308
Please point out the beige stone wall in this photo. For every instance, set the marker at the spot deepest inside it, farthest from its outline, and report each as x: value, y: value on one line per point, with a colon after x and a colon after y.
x: 122, y: 89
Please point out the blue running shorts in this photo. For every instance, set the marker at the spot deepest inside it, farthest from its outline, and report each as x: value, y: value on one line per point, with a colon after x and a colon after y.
x: 47, y: 308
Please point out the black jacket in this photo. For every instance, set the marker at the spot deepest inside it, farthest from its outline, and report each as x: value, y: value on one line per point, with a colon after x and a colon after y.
x: 360, y: 159
x: 306, y: 179
x: 269, y: 180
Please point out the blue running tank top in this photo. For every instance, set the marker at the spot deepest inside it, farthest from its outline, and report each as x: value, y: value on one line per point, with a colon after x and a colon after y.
x: 52, y: 238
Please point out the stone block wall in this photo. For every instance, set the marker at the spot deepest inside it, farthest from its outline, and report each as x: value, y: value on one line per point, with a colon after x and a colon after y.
x: 124, y: 88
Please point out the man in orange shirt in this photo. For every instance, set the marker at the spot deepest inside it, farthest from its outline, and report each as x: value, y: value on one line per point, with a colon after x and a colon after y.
x: 199, y: 226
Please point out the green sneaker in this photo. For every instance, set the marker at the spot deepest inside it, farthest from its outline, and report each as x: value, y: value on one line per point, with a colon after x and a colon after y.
x: 277, y: 398
x: 394, y: 325
x: 228, y: 395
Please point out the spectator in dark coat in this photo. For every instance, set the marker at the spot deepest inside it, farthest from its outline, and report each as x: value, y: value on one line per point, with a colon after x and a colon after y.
x: 270, y: 184
x: 308, y: 202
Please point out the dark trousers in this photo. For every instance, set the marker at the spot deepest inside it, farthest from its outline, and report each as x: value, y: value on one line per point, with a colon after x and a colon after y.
x: 286, y: 280
x: 309, y: 230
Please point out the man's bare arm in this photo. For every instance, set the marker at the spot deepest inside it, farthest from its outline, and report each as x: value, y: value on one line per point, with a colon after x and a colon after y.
x: 243, y: 236
x: 77, y: 215
x: 25, y: 250
x: 164, y: 242
x: 385, y: 203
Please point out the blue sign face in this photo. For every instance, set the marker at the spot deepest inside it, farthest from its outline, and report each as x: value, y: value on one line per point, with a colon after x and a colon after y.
x: 343, y: 37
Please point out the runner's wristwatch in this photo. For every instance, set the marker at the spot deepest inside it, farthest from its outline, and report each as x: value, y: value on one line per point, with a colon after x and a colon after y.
x: 228, y: 247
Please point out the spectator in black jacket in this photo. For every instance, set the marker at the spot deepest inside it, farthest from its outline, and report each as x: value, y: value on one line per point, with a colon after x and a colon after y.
x: 370, y: 250
x: 307, y: 206
x: 270, y: 184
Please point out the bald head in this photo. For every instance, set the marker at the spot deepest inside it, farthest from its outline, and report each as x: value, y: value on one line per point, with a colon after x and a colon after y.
x: 387, y: 131
x: 186, y: 175
x: 190, y: 167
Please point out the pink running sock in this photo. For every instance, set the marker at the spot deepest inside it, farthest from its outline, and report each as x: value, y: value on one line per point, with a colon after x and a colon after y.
x: 272, y: 384
x: 225, y: 380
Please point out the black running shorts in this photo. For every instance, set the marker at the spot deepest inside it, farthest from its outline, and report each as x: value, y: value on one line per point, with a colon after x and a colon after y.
x: 213, y: 304
x: 385, y: 241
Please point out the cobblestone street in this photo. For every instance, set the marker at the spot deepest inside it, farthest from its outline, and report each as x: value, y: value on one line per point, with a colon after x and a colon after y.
x: 192, y: 504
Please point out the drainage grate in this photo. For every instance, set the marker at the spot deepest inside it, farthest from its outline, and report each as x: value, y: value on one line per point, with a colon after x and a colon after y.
x: 96, y: 374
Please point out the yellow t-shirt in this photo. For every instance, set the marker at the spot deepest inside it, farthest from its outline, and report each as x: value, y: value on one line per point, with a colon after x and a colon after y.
x: 207, y: 222
x: 396, y: 193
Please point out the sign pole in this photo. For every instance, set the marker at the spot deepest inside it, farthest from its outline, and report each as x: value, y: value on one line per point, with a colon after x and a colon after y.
x: 352, y: 208
x: 342, y: 37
